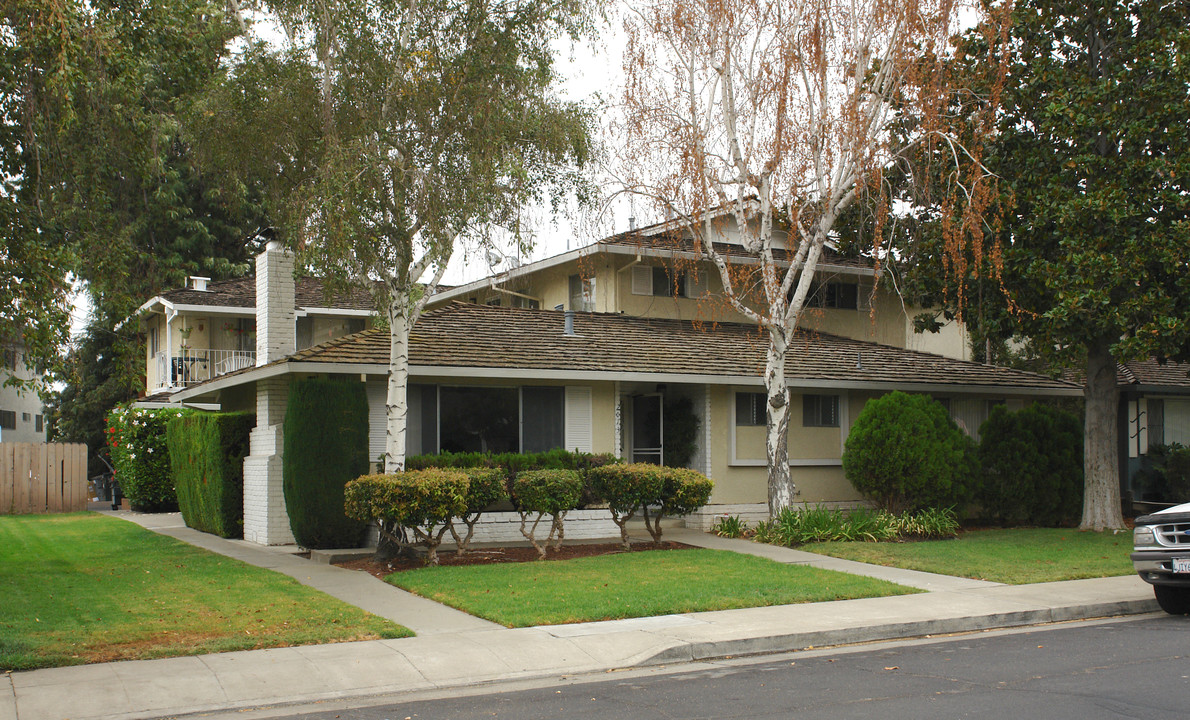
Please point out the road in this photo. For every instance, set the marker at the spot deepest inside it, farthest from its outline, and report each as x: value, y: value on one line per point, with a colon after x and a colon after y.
x: 1122, y: 668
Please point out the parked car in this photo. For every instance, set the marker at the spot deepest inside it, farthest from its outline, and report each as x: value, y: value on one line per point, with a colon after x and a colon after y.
x: 1161, y: 556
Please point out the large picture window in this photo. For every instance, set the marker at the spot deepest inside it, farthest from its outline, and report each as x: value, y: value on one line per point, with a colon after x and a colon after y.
x: 486, y: 419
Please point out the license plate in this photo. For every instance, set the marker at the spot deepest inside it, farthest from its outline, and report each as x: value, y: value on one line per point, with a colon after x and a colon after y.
x: 1181, y: 565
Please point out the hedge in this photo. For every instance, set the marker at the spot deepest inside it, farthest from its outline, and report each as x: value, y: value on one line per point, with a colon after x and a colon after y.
x: 326, y: 445
x: 140, y: 456
x: 206, y: 454
x: 1032, y: 466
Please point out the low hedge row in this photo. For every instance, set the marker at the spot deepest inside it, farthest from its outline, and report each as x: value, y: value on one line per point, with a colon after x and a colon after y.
x: 419, y: 506
x: 206, y: 453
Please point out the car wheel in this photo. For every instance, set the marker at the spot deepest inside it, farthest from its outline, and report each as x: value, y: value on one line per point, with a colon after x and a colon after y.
x: 1173, y: 600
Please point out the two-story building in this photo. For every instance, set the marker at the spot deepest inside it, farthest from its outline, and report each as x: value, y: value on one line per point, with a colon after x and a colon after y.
x: 586, y: 351
x: 22, y: 418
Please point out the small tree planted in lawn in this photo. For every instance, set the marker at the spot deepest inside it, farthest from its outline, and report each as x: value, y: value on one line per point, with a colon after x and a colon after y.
x: 682, y: 492
x: 486, y: 486
x: 906, y: 453
x: 421, y: 502
x: 546, y: 492
x: 626, y: 489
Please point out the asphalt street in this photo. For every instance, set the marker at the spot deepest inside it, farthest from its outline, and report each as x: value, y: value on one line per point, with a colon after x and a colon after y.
x: 1120, y: 668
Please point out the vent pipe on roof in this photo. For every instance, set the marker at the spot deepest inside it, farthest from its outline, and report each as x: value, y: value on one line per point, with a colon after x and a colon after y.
x: 569, y: 324
x: 199, y: 283
x: 631, y: 223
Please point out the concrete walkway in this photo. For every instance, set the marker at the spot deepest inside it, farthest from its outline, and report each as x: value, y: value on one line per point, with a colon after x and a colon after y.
x: 454, y: 650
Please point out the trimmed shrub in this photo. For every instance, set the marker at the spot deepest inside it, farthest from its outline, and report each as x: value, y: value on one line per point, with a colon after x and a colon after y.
x: 546, y: 492
x: 206, y: 452
x: 421, y: 502
x: 625, y: 489
x: 683, y: 491
x: 486, y: 487
x: 140, y: 456
x: 326, y: 445
x: 1032, y: 466
x: 905, y: 453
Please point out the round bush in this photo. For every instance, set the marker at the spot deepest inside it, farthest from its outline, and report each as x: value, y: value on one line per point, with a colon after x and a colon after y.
x: 905, y: 453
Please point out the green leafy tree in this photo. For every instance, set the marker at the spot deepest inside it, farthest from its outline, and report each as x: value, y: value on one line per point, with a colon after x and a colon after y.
x: 1091, y: 259
x: 99, y: 184
x: 393, y: 131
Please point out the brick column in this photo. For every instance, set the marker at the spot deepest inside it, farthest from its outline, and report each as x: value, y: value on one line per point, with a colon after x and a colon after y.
x: 276, y: 305
x: 265, y: 519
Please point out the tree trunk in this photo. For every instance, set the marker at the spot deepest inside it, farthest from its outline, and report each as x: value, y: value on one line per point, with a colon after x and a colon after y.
x: 396, y: 403
x: 1101, y: 495
x: 781, y: 488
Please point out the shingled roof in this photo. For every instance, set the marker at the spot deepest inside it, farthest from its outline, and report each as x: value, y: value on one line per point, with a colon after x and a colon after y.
x: 461, y: 335
x: 241, y: 293
x: 1154, y: 373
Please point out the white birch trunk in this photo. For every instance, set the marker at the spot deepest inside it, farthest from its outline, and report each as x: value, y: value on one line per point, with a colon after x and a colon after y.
x: 781, y: 488
x: 396, y: 403
x: 1101, y: 460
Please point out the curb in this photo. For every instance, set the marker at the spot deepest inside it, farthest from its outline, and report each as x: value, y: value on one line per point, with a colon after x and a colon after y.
x: 774, y: 644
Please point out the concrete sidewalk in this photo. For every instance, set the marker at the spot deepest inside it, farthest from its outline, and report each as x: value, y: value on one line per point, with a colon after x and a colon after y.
x: 453, y: 651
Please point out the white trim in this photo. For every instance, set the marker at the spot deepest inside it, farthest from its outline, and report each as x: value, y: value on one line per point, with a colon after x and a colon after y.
x: 303, y: 310
x: 563, y: 376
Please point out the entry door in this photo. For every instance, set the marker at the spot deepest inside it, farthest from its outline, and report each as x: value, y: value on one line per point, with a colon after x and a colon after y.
x: 647, y: 425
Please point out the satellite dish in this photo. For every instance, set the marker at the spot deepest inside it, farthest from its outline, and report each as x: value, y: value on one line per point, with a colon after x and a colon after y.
x: 494, y: 258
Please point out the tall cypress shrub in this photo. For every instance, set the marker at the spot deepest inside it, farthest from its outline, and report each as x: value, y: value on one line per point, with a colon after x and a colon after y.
x: 326, y: 445
x: 207, y: 461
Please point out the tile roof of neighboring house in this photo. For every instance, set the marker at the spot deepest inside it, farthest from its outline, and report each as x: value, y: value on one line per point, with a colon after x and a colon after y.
x: 474, y: 336
x: 676, y: 243
x: 1151, y: 372
x: 241, y: 292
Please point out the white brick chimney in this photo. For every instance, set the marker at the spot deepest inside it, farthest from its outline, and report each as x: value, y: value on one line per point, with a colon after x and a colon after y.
x: 265, y: 519
x: 276, y: 328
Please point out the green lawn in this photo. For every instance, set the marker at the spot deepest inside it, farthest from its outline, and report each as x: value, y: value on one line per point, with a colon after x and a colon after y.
x: 636, y: 584
x: 85, y: 588
x: 1015, y: 555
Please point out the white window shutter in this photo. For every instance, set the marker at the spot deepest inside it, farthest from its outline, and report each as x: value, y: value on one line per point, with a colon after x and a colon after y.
x: 642, y: 280
x: 578, y: 418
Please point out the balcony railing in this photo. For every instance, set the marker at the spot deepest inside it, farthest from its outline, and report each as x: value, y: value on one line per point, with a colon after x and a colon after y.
x: 190, y: 366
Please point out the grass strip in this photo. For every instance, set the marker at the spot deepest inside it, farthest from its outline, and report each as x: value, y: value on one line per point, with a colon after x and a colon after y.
x: 635, y: 584
x: 82, y: 588
x: 1015, y: 556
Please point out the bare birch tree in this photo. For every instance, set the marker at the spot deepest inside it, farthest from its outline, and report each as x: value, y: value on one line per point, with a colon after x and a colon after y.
x: 770, y: 118
x: 389, y: 133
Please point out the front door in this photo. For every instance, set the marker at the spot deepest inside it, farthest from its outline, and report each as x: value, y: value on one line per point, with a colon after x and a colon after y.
x: 647, y: 424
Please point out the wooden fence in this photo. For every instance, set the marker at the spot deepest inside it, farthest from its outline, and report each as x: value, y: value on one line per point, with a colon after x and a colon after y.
x: 43, y: 477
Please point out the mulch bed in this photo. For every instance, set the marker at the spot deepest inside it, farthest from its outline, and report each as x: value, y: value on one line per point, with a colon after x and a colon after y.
x: 491, y: 556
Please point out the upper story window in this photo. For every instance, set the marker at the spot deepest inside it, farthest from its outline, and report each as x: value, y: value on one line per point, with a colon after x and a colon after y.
x: 820, y: 411
x: 838, y: 295
x: 659, y: 281
x: 750, y: 409
x: 582, y: 293
x: 8, y: 419
x: 10, y: 358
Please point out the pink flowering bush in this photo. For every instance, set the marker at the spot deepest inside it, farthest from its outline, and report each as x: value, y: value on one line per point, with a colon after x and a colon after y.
x: 140, y: 457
